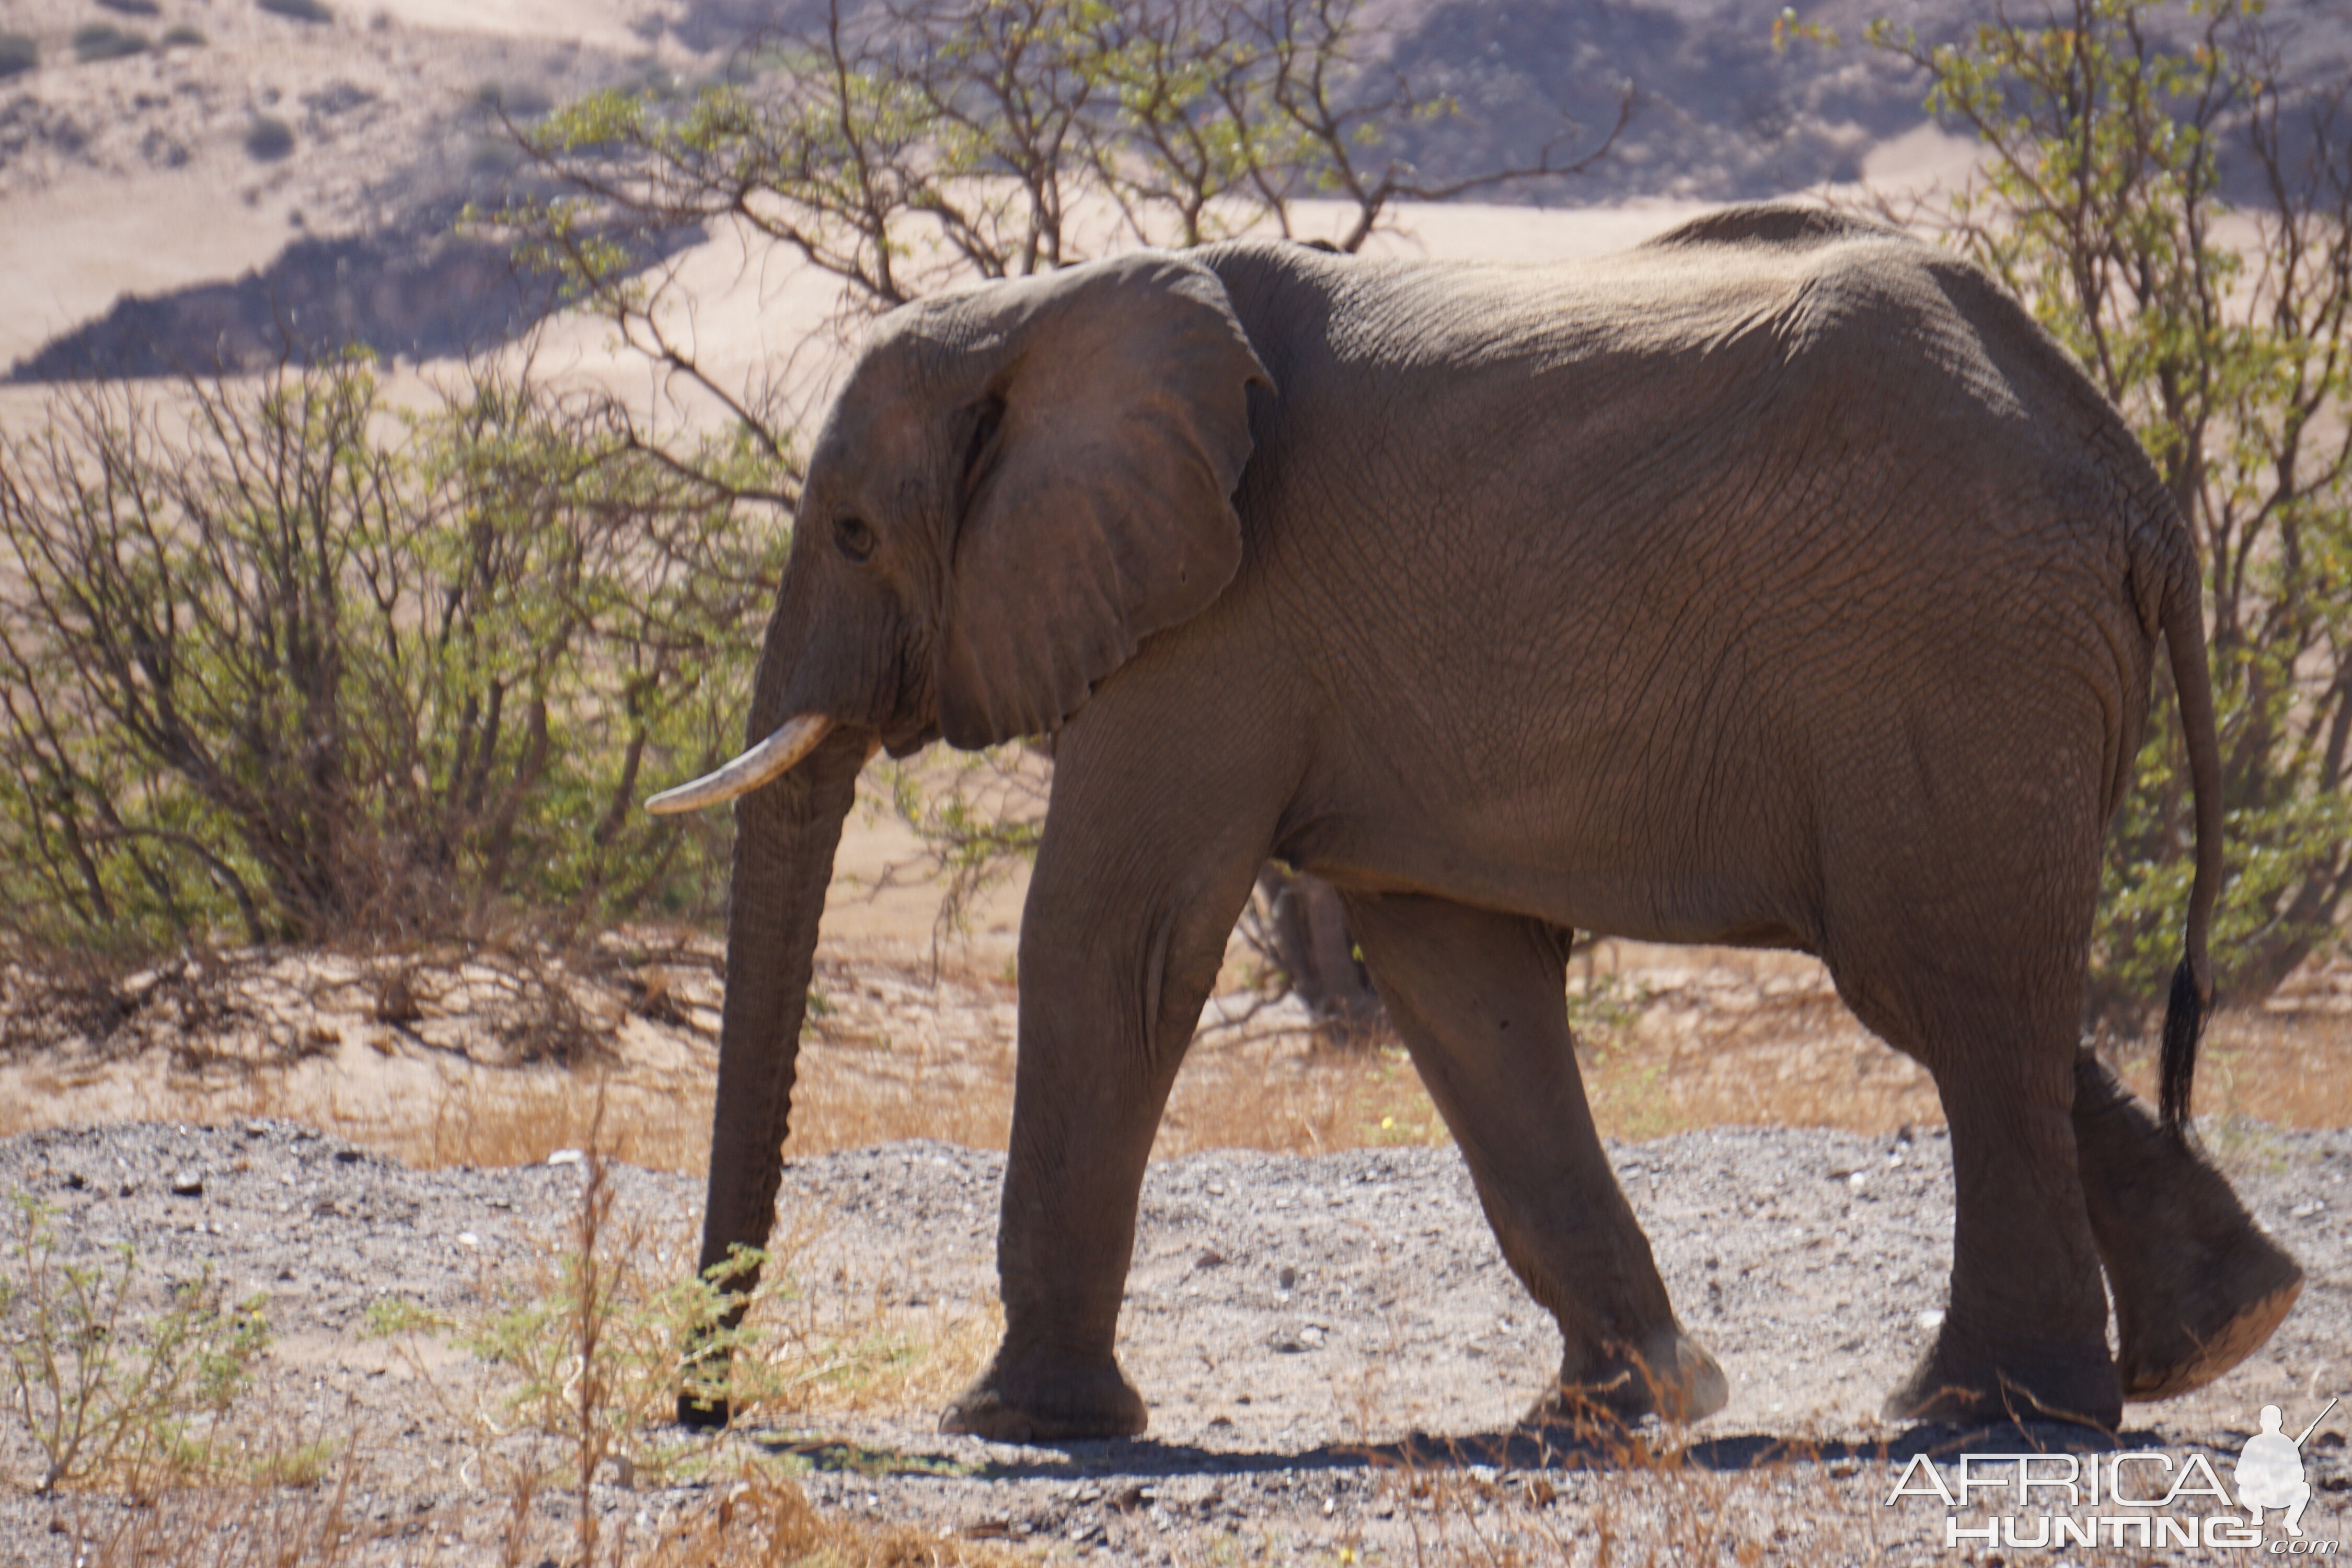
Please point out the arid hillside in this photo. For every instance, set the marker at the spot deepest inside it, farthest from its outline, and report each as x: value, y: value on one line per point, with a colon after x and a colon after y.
x: 208, y: 180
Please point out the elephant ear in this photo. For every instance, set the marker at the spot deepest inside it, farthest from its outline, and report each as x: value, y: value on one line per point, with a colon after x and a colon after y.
x: 1099, y: 487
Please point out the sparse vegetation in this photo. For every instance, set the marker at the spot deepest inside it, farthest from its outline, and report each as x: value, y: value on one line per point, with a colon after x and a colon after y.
x: 105, y: 41
x: 180, y: 35
x: 268, y: 138
x: 298, y: 10
x: 18, y: 53
x: 939, y: 144
x: 296, y: 665
x: 597, y: 1335
x: 118, y: 1389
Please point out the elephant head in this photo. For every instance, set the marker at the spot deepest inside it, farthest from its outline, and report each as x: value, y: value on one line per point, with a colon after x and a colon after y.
x: 1016, y: 486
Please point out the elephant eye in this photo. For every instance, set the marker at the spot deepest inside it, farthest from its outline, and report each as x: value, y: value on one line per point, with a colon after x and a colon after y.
x: 854, y: 538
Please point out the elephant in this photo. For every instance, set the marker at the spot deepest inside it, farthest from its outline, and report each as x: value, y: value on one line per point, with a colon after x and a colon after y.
x: 1775, y: 583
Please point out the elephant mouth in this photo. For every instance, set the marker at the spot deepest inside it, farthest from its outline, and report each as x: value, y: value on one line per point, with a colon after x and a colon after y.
x: 763, y: 763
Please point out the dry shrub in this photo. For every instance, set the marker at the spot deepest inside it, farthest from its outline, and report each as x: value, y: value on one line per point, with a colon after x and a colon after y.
x: 277, y: 657
x: 225, y: 1528
x: 757, y: 1518
x: 762, y: 1521
x: 489, y: 1119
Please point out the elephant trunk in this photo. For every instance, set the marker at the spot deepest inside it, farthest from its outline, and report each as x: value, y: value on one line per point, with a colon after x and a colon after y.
x: 786, y: 837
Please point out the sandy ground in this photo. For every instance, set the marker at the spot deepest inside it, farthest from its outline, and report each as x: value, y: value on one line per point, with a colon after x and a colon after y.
x: 1332, y: 1346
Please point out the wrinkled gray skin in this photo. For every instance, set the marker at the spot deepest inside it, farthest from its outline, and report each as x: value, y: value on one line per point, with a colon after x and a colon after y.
x: 1775, y: 583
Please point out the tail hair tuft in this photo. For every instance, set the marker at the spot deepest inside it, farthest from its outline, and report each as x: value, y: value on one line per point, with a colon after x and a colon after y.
x: 2183, y: 1020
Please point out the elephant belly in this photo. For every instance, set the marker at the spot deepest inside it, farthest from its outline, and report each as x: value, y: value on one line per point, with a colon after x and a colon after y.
x: 1601, y: 890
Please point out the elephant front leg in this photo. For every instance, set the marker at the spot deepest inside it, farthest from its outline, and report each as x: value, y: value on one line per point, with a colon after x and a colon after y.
x: 1112, y: 982
x: 2197, y: 1287
x: 1481, y: 1000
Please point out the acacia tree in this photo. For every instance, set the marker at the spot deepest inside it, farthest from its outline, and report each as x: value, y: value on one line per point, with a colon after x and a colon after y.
x: 2180, y: 218
x: 914, y: 144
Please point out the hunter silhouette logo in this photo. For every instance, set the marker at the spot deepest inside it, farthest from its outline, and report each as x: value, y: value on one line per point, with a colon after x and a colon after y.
x: 2270, y: 1470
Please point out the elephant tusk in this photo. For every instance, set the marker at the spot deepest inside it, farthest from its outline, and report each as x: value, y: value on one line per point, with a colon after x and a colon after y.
x: 769, y: 760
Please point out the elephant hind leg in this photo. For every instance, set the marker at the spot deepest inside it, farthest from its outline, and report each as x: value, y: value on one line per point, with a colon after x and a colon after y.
x: 2025, y: 1336
x: 1481, y: 1001
x: 2197, y: 1286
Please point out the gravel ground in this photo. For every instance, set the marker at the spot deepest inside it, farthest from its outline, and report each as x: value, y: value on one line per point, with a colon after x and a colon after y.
x: 1333, y: 1348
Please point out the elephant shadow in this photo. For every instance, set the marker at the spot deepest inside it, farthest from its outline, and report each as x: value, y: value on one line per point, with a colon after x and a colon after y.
x: 1649, y: 1447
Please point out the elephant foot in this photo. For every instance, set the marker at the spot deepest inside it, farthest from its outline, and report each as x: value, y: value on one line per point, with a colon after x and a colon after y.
x: 2197, y: 1286
x: 1964, y: 1380
x: 1672, y: 1377
x: 1033, y: 1404
x: 2209, y: 1329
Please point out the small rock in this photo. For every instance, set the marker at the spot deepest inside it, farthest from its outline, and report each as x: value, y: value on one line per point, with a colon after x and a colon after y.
x: 1287, y: 1278
x: 349, y: 1156
x: 468, y: 1238
x: 187, y: 1184
x: 1931, y: 1319
x: 74, y: 1181
x: 1211, y: 1259
x: 566, y: 1157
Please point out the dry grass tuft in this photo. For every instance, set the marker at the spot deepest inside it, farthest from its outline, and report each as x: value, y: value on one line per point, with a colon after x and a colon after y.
x: 759, y: 1519
x: 765, y: 1520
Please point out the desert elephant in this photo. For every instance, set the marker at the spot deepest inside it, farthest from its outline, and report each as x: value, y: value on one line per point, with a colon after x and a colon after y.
x: 1776, y: 583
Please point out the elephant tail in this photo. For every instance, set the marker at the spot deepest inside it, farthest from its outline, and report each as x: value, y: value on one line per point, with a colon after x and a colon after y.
x: 2192, y: 982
